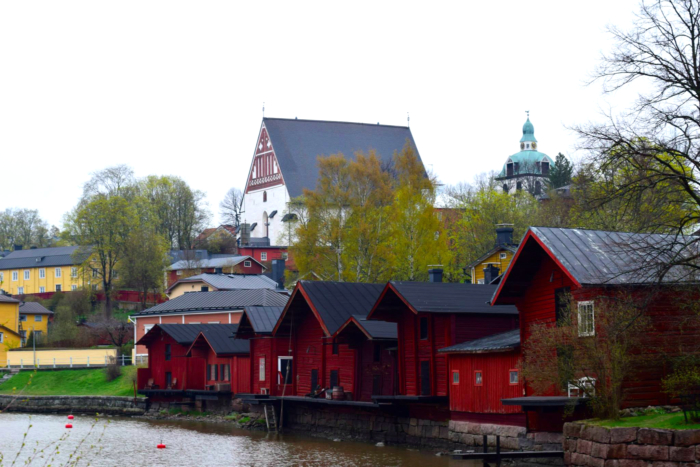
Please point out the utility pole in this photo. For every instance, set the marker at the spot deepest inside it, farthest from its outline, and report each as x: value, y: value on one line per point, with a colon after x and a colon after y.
x: 34, y: 346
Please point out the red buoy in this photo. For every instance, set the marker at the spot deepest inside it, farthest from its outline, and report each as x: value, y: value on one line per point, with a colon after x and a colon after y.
x: 70, y: 417
x: 68, y: 425
x: 161, y: 446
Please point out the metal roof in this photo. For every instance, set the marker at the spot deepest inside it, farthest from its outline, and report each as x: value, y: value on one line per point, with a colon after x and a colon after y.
x: 298, y: 144
x: 40, y: 257
x: 220, y: 300
x: 378, y: 329
x: 33, y: 308
x: 602, y: 257
x: 5, y: 299
x: 263, y: 318
x: 445, y: 297
x: 219, y: 338
x: 184, y: 334
x: 338, y: 301
x: 215, y: 261
x: 231, y: 281
x: 504, y: 341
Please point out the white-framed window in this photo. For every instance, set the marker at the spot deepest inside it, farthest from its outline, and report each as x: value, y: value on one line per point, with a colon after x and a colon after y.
x: 513, y: 376
x: 74, y: 287
x: 2, y: 276
x: 246, y: 264
x: 455, y: 377
x: 284, y: 364
x: 37, y: 318
x: 214, y: 322
x: 15, y: 276
x: 20, y: 290
x: 22, y: 318
x: 57, y: 272
x: 42, y: 289
x: 504, y: 255
x: 262, y: 369
x: 42, y: 273
x: 147, y: 327
x: 586, y: 319
x: 2, y: 337
x: 26, y: 274
x: 58, y: 287
x: 74, y: 272
x: 478, y: 378
x: 263, y: 256
x: 178, y: 272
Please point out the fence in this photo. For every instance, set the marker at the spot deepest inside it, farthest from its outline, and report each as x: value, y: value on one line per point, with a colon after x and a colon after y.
x: 61, y: 358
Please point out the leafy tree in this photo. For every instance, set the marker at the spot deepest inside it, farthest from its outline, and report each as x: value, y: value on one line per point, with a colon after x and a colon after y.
x: 24, y: 227
x: 143, y: 262
x: 560, y: 175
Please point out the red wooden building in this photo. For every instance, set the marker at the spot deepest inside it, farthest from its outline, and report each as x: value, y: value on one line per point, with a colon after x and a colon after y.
x: 376, y: 350
x: 553, y: 265
x: 313, y: 315
x: 270, y: 357
x: 227, y: 360
x: 481, y: 373
x: 434, y: 315
x: 212, y: 264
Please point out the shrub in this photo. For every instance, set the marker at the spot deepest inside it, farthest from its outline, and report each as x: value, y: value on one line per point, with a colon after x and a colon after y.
x: 684, y: 383
x: 112, y: 372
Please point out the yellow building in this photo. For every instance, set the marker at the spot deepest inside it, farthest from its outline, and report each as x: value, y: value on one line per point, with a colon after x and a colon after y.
x: 33, y: 319
x: 9, y: 326
x: 494, y: 262
x: 40, y: 270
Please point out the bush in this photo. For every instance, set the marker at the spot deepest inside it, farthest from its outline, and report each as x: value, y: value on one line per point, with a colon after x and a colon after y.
x: 684, y: 383
x: 112, y: 372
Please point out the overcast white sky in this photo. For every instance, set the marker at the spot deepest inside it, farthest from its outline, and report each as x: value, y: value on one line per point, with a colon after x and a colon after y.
x: 172, y: 87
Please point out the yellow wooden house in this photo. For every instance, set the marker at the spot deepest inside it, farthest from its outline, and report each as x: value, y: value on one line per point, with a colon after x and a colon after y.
x: 41, y: 270
x: 10, y: 337
x: 492, y: 264
x: 33, y: 319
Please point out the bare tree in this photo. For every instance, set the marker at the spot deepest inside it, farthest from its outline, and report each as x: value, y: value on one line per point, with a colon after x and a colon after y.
x: 231, y: 207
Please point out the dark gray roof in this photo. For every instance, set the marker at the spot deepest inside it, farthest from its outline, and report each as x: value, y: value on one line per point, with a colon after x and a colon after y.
x: 498, y: 342
x: 232, y: 281
x: 184, y: 334
x: 263, y: 318
x: 601, y: 257
x: 378, y: 329
x: 298, y: 143
x: 219, y: 338
x: 5, y: 299
x: 40, y: 257
x: 34, y: 308
x: 444, y: 297
x: 338, y: 301
x: 224, y: 300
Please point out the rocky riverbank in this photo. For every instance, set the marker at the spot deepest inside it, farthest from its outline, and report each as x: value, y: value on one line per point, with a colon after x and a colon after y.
x: 107, y: 405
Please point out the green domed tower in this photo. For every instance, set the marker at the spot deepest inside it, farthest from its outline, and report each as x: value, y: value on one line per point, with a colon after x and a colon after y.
x: 527, y: 169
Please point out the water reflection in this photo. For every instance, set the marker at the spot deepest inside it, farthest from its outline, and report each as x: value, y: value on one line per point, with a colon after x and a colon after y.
x: 191, y: 443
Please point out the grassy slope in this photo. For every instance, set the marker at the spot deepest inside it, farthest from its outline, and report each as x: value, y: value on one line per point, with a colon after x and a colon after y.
x: 71, y: 383
x: 669, y: 421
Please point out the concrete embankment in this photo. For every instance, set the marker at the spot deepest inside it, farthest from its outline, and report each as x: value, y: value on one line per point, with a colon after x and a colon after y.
x: 108, y: 405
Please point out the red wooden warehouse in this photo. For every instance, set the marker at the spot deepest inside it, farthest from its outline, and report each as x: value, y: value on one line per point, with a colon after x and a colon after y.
x: 481, y: 373
x: 227, y: 360
x: 553, y: 266
x: 270, y: 357
x: 434, y: 315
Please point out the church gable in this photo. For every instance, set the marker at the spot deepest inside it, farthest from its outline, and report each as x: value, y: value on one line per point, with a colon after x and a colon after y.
x: 265, y: 170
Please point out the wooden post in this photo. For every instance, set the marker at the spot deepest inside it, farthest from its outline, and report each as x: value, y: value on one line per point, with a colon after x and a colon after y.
x: 498, y: 450
x: 486, y: 449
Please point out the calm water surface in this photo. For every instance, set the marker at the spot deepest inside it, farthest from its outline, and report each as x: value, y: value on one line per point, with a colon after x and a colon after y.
x: 133, y: 442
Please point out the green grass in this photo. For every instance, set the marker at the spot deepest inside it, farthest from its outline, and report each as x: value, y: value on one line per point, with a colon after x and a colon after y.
x: 668, y: 421
x: 71, y: 383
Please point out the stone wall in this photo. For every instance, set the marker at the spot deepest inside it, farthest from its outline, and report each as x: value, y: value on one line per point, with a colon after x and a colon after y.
x: 588, y: 445
x: 75, y: 404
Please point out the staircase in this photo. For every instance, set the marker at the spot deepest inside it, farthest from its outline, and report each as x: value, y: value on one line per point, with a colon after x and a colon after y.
x: 8, y: 374
x: 270, y: 417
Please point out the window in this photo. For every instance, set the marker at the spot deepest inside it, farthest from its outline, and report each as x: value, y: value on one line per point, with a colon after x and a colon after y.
x: 147, y: 327
x: 94, y: 272
x: 23, y: 338
x: 2, y: 337
x: 73, y: 287
x: 262, y: 369
x: 58, y: 287
x: 478, y: 378
x: 178, y: 272
x: 42, y: 289
x: 246, y: 264
x: 15, y: 276
x: 335, y: 378
x: 20, y: 290
x: 284, y: 368
x: 42, y: 273
x: 516, y: 167
x: 423, y: 329
x: 264, y: 196
x: 37, y: 318
x: 513, y: 377
x: 336, y: 348
x: 2, y: 276
x: 561, y: 304
x: 214, y: 322
x: 204, y: 288
x: 57, y: 272
x: 225, y: 372
x: 22, y: 318
x: 377, y: 353
x: 586, y: 319
x: 503, y: 255
x: 455, y: 377
x: 538, y: 187
x: 168, y: 380
x: 545, y: 168
x: 26, y: 274
x: 519, y: 186
x: 213, y: 372
x: 263, y: 256
x: 167, y: 352
x: 509, y: 169
x: 74, y: 272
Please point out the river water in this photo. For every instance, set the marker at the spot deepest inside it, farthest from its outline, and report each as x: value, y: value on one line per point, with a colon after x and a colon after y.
x: 132, y: 442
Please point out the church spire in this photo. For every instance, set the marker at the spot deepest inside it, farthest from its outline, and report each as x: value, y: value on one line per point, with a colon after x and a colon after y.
x: 528, y: 141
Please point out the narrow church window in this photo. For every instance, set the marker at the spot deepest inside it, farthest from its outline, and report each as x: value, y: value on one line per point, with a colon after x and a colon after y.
x: 516, y: 167
x: 519, y: 186
x: 509, y: 169
x: 545, y: 168
x: 505, y: 188
x: 538, y: 188
x: 264, y: 196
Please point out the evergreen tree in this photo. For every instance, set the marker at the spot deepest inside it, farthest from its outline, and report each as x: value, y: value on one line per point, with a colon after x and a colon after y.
x: 560, y: 174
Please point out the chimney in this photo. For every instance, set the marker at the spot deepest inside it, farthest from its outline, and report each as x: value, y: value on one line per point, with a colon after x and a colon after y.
x: 278, y: 268
x: 504, y: 235
x: 435, y: 274
x: 18, y: 247
x: 490, y: 273
x: 245, y: 234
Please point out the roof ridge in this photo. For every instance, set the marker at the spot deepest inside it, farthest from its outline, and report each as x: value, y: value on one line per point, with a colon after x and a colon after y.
x: 335, y: 121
